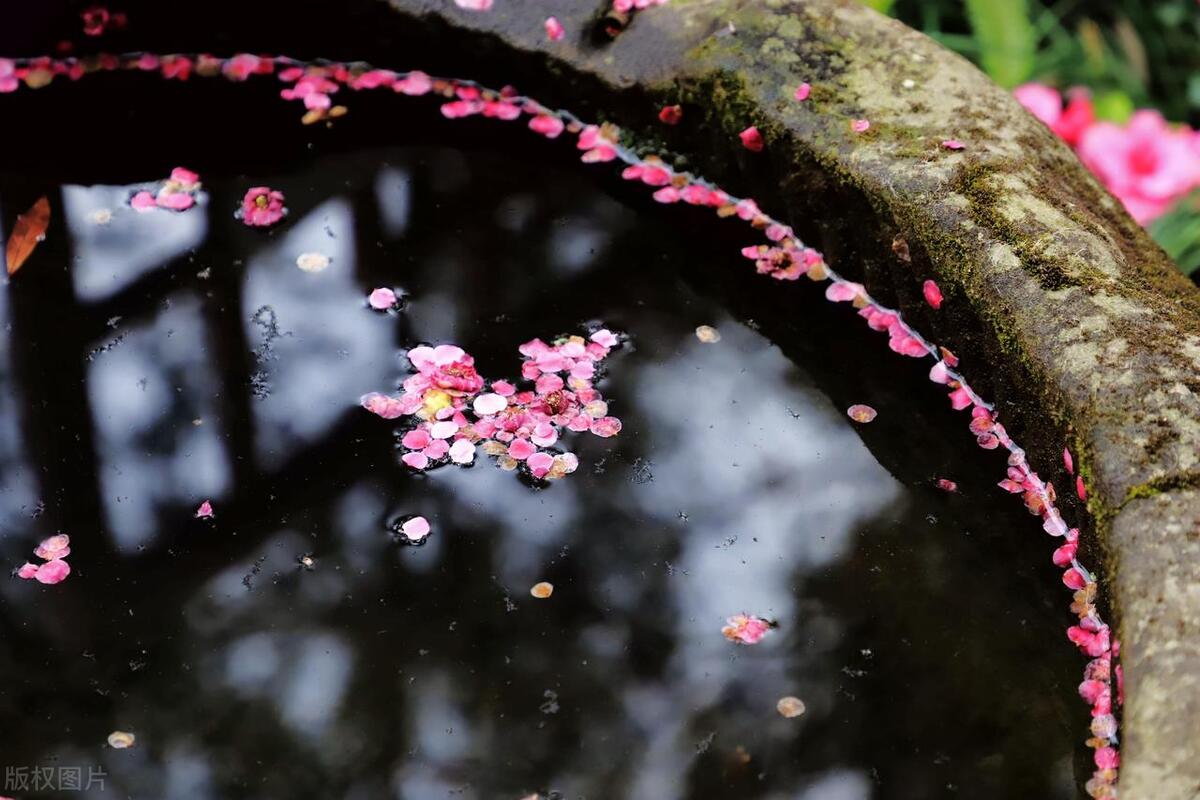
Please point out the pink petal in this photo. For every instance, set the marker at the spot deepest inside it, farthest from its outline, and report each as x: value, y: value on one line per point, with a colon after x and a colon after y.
x: 953, y: 144
x: 474, y: 5
x: 670, y: 115
x: 382, y: 299
x: 27, y: 571
x: 861, y: 413
x: 1080, y: 489
x: 143, y: 201
x: 416, y: 460
x: 205, y: 511
x: 487, y: 404
x: 539, y: 464
x: 184, y: 175
x: 547, y: 125
x: 462, y: 451
x: 554, y: 29
x: 959, y: 399
x: 54, y: 547
x: 521, y: 449
x: 840, y: 291
x: 947, y: 485
x: 1073, y: 579
x: 53, y: 572
x: 444, y: 429
x: 802, y: 92
x: 176, y: 201
x: 1068, y: 462
x: 933, y: 295
x: 751, y: 139
x: 860, y: 125
x: 605, y: 427
x: 605, y: 338
x: 416, y: 529
x: 416, y: 439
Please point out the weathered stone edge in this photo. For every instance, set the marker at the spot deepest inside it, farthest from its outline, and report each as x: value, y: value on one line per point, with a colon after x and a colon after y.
x: 1067, y: 314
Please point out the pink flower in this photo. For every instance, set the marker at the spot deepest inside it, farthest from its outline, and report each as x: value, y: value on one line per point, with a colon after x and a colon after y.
x: 745, y: 629
x: 554, y: 29
x: 860, y: 125
x: 1045, y: 103
x: 54, y: 547
x: 670, y: 115
x: 382, y: 299
x: 802, y: 92
x: 933, y: 294
x: 1148, y: 164
x: 752, y: 140
x: 205, y: 511
x: 447, y: 367
x: 27, y: 571
x: 1040, y: 100
x: 262, y: 206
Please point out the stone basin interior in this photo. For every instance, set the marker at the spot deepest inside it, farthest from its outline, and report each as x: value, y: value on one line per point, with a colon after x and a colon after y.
x: 163, y: 359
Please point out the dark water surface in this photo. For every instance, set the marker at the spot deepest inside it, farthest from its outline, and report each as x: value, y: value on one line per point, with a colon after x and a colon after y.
x: 163, y: 359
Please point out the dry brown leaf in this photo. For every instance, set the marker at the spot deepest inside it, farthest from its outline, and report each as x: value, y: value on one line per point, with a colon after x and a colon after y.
x: 29, y: 230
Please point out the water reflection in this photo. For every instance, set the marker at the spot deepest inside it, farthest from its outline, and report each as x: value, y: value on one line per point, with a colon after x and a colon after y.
x: 924, y: 647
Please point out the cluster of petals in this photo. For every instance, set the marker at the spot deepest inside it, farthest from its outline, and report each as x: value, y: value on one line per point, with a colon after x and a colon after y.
x: 176, y: 193
x: 454, y: 410
x: 53, y: 551
x: 262, y: 206
x: 1148, y: 163
x: 746, y: 629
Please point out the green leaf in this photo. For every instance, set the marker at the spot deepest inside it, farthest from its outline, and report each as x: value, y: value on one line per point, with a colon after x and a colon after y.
x: 882, y: 6
x: 1115, y: 106
x: 1178, y: 231
x: 1007, y: 39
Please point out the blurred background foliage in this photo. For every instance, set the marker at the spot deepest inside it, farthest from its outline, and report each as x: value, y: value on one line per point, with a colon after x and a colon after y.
x: 1130, y: 54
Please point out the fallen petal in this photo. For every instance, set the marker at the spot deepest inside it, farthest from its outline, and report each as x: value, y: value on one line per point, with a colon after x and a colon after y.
x: 861, y: 413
